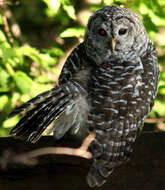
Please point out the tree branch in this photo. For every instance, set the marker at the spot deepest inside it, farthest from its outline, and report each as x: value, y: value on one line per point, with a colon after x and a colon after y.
x: 30, y: 158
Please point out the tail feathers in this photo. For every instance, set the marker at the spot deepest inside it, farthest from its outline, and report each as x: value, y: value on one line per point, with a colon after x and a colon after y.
x: 56, y: 106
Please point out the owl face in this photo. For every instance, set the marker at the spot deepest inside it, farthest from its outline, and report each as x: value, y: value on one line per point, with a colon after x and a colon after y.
x: 114, y: 32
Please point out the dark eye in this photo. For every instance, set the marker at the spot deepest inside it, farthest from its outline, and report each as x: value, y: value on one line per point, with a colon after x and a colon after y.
x: 122, y: 31
x: 102, y: 32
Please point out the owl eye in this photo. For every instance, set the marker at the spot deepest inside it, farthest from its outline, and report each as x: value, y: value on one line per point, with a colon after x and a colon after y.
x: 102, y: 32
x: 122, y: 31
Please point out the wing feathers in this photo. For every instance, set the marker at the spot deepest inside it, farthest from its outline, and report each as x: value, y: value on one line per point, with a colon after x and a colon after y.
x: 60, y: 106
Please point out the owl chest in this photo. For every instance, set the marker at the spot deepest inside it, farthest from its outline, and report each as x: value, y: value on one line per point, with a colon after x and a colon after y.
x: 115, y: 84
x: 115, y: 92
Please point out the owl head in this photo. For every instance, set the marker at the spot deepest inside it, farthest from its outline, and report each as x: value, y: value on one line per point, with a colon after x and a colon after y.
x: 115, y: 32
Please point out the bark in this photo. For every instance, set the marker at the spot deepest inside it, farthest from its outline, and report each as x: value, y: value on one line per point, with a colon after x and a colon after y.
x: 145, y: 170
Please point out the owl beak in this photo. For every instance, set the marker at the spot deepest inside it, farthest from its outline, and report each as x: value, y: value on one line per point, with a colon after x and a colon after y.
x: 113, y: 44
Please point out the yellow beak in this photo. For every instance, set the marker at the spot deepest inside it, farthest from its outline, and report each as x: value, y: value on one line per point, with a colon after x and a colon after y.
x: 113, y: 44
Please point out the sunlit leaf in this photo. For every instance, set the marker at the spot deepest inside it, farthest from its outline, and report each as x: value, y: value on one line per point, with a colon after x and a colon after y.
x: 23, y: 82
x: 2, y: 37
x: 162, y: 76
x: 39, y: 88
x: 159, y: 107
x: 1, y: 19
x: 3, y: 101
x: 70, y: 11
x: 43, y: 79
x: 25, y: 97
x: 9, y: 55
x: 11, y: 122
x: 46, y: 59
x: 55, y: 51
x: 30, y: 52
x: 162, y: 89
x: 53, y: 7
x: 53, y: 4
x: 73, y: 32
x: 4, y: 132
x: 69, y: 8
x: 4, y: 76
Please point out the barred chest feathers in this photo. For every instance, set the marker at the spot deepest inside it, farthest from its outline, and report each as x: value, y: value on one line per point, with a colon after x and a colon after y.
x: 119, y: 102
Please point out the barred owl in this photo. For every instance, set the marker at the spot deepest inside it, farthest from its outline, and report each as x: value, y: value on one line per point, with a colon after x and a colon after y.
x: 107, y: 85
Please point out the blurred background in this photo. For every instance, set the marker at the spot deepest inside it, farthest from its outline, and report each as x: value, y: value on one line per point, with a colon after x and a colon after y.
x: 37, y: 36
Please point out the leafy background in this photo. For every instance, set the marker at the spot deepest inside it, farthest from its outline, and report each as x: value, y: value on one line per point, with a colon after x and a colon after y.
x: 37, y: 36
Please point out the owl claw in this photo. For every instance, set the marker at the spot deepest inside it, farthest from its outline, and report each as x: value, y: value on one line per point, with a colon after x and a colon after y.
x: 105, y: 172
x: 94, y: 178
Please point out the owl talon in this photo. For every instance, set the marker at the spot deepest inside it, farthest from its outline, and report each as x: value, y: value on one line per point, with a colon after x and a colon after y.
x: 94, y: 178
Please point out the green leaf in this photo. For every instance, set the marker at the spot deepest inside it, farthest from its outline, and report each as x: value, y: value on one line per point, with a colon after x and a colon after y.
x: 2, y: 37
x: 50, y: 12
x: 9, y: 55
x: 30, y: 52
x: 69, y: 8
x: 162, y: 89
x: 55, y: 5
x: 54, y: 52
x: 46, y: 59
x: 1, y: 19
x: 159, y: 107
x: 43, y: 79
x: 25, y: 97
x: 39, y: 88
x: 23, y: 82
x: 3, y: 101
x: 4, y: 76
x: 4, y: 132
x: 11, y: 122
x: 73, y: 32
x: 162, y: 76
x: 70, y: 11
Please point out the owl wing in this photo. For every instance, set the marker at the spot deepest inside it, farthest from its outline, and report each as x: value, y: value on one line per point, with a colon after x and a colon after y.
x: 64, y: 107
x: 77, y: 68
x: 75, y: 62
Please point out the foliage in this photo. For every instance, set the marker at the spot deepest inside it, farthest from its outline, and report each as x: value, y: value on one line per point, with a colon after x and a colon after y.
x: 27, y: 60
